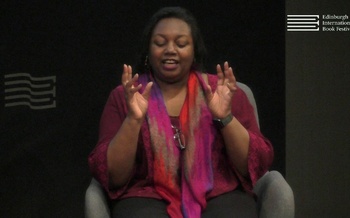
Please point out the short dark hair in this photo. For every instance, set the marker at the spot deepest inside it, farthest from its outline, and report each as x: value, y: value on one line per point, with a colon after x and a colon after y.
x: 200, y: 51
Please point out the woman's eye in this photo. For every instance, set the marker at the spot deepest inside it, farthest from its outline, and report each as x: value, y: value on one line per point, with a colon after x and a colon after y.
x: 181, y: 44
x: 159, y: 43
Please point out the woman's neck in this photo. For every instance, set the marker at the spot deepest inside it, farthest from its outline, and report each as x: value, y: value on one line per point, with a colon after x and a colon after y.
x: 171, y: 88
x: 174, y: 95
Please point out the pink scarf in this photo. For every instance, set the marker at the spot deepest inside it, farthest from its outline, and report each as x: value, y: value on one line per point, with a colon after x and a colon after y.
x: 186, y: 193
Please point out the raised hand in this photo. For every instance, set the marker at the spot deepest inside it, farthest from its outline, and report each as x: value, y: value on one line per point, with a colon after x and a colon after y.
x: 137, y: 103
x: 220, y: 101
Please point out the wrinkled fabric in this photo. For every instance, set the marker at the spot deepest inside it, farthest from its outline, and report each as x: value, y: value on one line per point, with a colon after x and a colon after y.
x: 225, y: 177
x: 185, y: 192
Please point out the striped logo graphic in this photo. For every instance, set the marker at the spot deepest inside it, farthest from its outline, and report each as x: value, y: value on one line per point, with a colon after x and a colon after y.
x: 21, y: 89
x: 303, y: 22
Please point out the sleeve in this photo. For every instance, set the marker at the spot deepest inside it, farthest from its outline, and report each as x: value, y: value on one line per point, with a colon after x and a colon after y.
x: 261, y: 153
x: 112, y: 118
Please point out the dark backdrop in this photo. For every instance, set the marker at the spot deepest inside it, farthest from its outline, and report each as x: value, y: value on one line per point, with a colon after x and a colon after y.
x: 83, y: 44
x: 317, y: 112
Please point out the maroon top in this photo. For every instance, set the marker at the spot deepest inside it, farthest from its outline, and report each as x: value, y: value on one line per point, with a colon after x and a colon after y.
x: 226, y: 177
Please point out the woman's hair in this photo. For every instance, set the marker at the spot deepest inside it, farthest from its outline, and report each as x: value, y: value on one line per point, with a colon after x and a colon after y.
x: 200, y: 51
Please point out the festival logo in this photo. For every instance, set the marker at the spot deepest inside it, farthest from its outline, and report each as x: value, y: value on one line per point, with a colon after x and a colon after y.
x: 37, y: 93
x: 321, y: 23
x: 303, y: 23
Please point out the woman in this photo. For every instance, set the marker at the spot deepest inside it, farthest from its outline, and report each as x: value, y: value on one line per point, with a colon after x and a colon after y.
x: 175, y: 141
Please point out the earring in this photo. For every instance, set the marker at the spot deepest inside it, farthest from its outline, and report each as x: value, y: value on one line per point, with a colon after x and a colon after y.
x: 146, y: 63
x: 194, y: 64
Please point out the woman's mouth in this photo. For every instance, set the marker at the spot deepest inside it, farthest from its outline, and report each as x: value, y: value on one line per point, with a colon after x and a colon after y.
x: 170, y: 64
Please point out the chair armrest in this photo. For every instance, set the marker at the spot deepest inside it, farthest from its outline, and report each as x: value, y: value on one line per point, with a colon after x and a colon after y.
x: 96, y: 205
x: 251, y: 99
x: 275, y: 196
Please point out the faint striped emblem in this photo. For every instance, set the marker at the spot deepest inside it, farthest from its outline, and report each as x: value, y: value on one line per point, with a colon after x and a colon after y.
x: 303, y: 22
x: 22, y: 89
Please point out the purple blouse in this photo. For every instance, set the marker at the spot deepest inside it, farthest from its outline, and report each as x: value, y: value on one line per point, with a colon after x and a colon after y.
x: 226, y: 177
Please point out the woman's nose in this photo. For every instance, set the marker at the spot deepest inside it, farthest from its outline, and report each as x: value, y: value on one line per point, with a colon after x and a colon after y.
x: 170, y: 48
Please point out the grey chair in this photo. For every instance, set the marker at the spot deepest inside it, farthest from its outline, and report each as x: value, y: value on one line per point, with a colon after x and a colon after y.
x: 275, y: 198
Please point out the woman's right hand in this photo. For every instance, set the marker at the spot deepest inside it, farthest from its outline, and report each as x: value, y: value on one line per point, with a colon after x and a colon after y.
x: 137, y: 103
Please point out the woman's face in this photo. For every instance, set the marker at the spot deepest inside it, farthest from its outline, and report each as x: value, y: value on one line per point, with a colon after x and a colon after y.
x: 171, y: 50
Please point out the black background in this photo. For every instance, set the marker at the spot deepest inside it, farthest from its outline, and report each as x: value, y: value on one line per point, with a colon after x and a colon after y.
x: 43, y: 160
x: 317, y: 112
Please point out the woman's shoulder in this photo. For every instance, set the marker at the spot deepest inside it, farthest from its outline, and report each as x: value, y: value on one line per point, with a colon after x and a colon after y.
x: 210, y: 79
x: 116, y: 94
x: 117, y: 90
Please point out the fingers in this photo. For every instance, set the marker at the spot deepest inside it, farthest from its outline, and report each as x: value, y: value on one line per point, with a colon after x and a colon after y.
x: 127, y: 74
x: 147, y: 92
x: 129, y: 85
x: 230, y: 78
x: 229, y: 73
x: 209, y: 93
x: 232, y: 86
x: 128, y: 80
x: 221, y: 76
x: 226, y: 76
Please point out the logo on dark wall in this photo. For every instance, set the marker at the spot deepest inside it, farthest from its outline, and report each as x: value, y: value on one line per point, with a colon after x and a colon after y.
x: 303, y: 22
x: 37, y: 93
x: 321, y: 23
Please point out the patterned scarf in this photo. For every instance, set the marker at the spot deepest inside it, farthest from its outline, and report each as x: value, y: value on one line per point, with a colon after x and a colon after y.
x: 182, y: 177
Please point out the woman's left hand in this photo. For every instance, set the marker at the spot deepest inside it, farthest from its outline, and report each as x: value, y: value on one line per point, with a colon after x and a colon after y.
x: 220, y: 101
